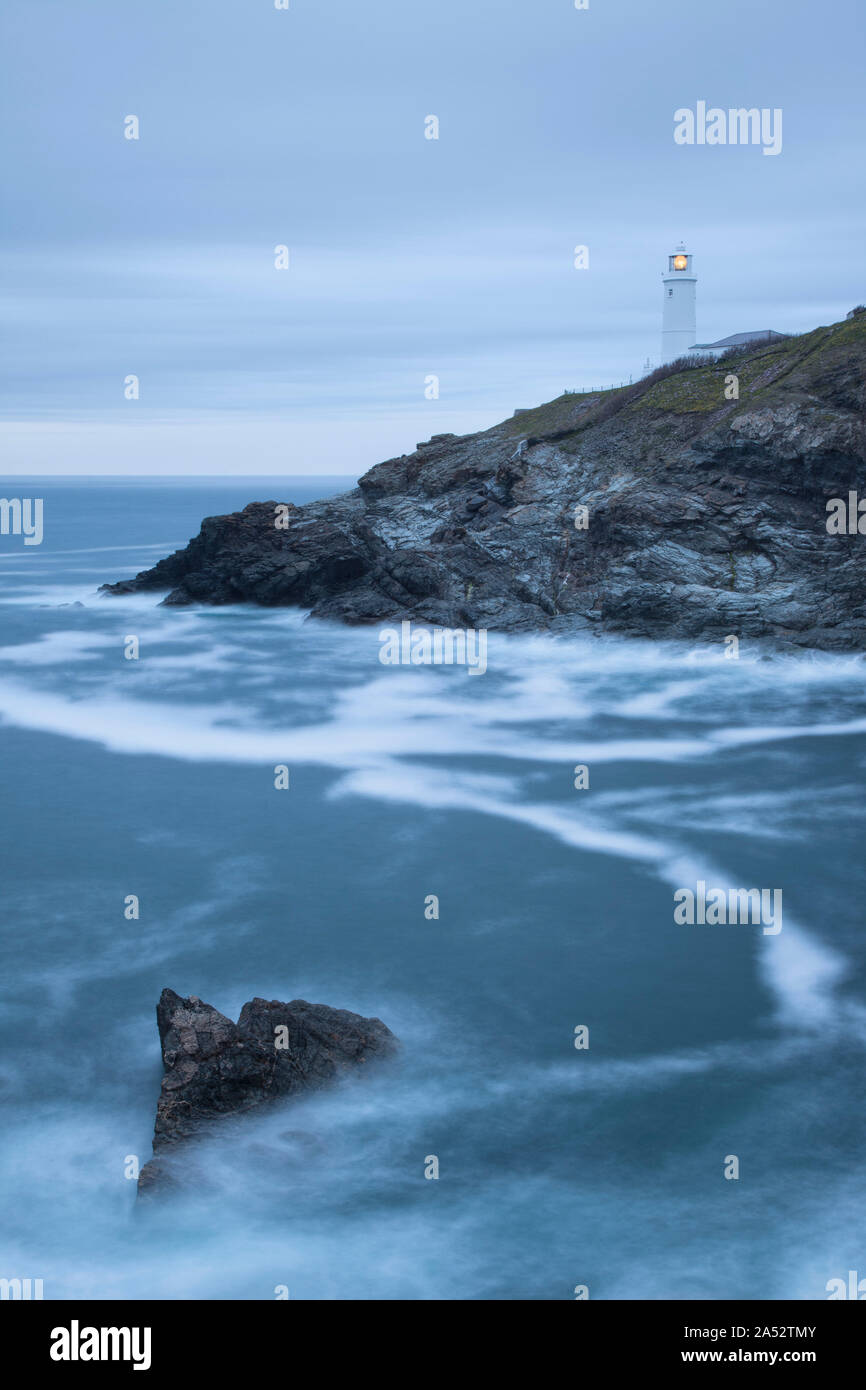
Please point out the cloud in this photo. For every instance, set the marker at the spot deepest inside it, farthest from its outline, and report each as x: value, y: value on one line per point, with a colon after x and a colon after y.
x: 409, y: 257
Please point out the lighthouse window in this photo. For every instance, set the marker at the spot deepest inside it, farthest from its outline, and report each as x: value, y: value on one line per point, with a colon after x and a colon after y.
x: 670, y: 292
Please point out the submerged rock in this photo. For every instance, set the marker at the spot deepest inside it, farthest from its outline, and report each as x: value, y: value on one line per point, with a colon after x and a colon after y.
x: 692, y: 504
x: 215, y: 1068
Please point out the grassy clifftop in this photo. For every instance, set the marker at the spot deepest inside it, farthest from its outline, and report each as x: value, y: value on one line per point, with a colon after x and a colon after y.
x: 814, y: 364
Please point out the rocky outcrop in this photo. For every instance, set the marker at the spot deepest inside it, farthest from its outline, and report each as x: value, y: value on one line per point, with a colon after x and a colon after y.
x: 215, y: 1068
x: 706, y: 515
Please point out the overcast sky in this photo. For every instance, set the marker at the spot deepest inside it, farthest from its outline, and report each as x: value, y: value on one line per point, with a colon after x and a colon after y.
x: 409, y: 257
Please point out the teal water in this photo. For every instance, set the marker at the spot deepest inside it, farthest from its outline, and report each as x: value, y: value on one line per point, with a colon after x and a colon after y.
x: 558, y: 1166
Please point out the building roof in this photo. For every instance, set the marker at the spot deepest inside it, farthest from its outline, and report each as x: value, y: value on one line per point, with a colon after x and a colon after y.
x: 736, y: 339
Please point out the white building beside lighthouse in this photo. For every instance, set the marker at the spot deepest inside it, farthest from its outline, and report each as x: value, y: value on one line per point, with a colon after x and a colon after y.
x: 679, y: 315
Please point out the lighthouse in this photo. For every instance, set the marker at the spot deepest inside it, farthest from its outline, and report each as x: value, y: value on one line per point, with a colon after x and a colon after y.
x: 679, y: 325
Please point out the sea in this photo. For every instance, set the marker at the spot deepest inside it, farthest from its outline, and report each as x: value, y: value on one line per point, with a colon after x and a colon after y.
x: 591, y: 1099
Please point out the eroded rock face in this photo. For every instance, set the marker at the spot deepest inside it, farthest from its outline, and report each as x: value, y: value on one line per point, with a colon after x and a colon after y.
x: 706, y: 516
x: 214, y: 1067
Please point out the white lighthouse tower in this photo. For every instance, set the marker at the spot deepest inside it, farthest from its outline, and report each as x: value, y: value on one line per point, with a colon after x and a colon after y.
x: 679, y: 325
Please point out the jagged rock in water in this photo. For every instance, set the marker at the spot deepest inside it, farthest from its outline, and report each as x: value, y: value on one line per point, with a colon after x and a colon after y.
x: 707, y: 515
x: 215, y: 1068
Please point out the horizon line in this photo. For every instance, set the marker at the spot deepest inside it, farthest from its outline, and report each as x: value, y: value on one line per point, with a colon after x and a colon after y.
x: 150, y: 477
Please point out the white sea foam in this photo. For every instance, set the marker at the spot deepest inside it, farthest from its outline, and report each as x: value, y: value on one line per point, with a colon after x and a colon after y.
x: 55, y: 648
x: 381, y: 734
x: 657, y: 726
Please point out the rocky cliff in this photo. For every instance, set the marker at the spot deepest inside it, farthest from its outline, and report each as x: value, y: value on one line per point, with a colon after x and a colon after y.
x: 706, y: 514
x: 215, y: 1068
